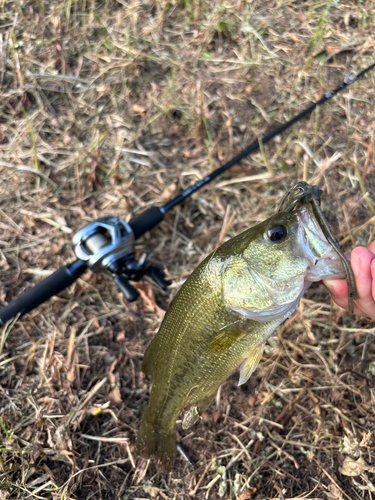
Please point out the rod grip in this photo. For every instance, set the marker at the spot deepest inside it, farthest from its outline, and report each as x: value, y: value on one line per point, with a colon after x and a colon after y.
x: 146, y: 221
x: 55, y: 283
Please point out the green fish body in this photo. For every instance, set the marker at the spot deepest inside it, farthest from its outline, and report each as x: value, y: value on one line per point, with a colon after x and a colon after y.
x: 223, y: 315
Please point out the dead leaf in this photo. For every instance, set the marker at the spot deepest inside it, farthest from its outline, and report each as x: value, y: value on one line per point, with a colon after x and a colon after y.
x: 366, y: 439
x: 54, y: 122
x: 221, y: 154
x: 293, y: 36
x: 350, y: 447
x: 353, y: 468
x: 251, y: 400
x: 301, y: 16
x: 147, y: 295
x: 4, y: 264
x: 138, y: 109
x: 36, y: 454
x: 334, y: 492
x: 146, y: 30
x: 317, y: 410
x: 247, y: 494
x: 60, y: 438
x: 120, y: 337
x: 330, y: 49
x: 168, y: 191
x: 111, y: 375
x: 365, y: 487
x: 153, y: 491
x: 115, y: 395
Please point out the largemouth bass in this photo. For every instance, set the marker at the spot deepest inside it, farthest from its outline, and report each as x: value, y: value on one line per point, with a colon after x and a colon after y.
x: 223, y: 315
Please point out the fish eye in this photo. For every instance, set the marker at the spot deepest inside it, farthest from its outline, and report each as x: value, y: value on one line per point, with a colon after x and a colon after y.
x: 277, y: 234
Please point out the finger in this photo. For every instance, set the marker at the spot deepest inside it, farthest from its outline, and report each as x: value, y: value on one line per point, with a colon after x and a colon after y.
x: 371, y: 247
x: 342, y: 301
x: 364, y: 270
x: 339, y: 291
x: 361, y: 265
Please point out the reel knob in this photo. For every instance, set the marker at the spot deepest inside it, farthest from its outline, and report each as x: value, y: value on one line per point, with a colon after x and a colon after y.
x: 130, y: 293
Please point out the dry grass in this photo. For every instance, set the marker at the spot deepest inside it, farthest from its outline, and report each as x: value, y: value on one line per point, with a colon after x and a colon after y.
x: 108, y: 107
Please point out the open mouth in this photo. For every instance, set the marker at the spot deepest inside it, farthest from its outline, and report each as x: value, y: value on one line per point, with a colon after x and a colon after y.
x: 313, y: 246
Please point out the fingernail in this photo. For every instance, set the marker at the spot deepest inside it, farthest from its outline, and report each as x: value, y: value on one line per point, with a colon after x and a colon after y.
x: 356, y: 266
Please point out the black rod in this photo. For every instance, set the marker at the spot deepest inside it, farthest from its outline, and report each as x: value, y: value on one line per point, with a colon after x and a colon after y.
x: 55, y: 283
x: 349, y: 79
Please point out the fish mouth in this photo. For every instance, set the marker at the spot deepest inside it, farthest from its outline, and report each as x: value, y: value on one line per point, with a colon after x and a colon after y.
x: 311, y: 244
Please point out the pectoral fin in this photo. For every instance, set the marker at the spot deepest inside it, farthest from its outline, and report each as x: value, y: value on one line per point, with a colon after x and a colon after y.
x: 225, y: 338
x: 249, y: 365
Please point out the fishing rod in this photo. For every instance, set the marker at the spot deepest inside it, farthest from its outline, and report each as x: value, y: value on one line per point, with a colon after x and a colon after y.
x: 107, y: 244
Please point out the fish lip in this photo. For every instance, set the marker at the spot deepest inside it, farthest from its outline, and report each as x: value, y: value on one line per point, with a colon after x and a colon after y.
x: 324, y: 266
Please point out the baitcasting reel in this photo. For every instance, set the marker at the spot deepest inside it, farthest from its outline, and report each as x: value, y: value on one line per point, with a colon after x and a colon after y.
x: 107, y: 244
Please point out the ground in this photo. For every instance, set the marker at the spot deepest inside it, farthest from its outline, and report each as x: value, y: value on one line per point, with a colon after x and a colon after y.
x: 110, y: 107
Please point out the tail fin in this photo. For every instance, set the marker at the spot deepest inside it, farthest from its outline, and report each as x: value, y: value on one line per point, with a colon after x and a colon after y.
x: 153, y: 441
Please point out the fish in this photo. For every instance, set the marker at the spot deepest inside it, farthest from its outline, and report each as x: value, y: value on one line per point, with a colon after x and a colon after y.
x: 222, y: 316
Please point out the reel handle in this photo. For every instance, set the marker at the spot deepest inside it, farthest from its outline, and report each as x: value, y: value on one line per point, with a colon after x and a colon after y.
x: 129, y: 291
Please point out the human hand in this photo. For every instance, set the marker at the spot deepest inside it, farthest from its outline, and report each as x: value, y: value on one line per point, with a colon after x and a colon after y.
x: 363, y: 265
